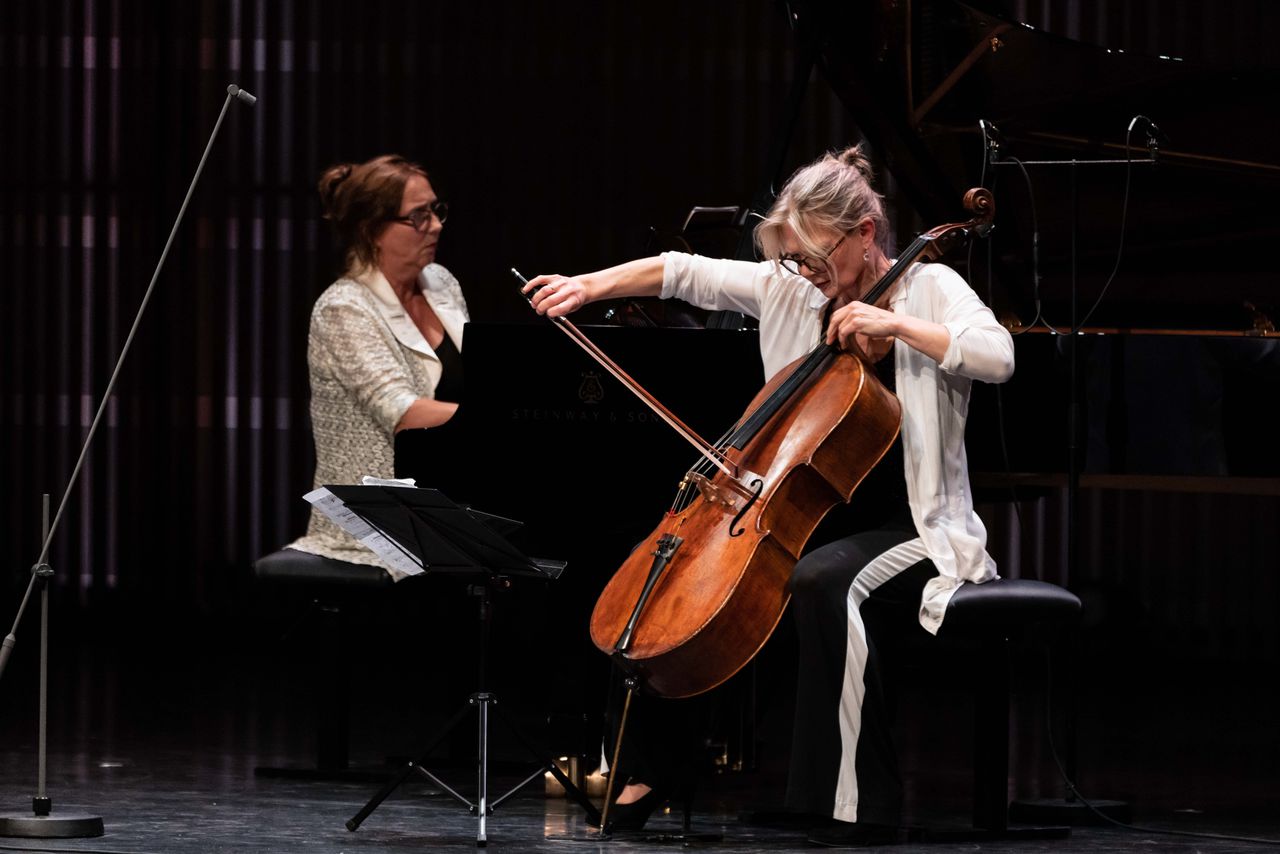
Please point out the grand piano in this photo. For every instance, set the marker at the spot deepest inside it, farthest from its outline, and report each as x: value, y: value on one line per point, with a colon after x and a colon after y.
x: 1177, y: 367
x: 1179, y: 362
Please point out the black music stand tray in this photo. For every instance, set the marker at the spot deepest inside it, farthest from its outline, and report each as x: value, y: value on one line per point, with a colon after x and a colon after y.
x: 445, y: 537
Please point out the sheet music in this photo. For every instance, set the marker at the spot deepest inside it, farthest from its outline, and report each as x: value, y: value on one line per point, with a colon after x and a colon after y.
x: 370, y: 480
x: 400, y: 563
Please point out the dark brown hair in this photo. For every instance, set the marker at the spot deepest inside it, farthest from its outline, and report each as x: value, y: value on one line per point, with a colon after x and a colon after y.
x: 358, y: 198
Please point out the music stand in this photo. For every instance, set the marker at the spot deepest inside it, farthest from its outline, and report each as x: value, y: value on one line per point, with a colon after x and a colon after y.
x: 442, y: 536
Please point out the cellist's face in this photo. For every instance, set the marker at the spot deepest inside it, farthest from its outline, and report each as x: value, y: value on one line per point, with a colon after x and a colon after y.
x: 838, y: 271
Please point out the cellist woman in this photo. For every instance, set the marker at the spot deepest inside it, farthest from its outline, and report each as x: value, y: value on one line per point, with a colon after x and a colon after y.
x: 864, y: 581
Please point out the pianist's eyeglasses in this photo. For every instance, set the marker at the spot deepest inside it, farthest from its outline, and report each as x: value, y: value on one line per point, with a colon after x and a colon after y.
x: 793, y: 262
x: 418, y: 217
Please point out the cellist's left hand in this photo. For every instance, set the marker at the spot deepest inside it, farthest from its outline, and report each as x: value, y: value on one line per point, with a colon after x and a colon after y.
x: 861, y: 327
x: 869, y: 330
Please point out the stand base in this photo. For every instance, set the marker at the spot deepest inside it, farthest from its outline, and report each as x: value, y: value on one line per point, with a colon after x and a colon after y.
x: 1074, y: 813
x: 50, y: 826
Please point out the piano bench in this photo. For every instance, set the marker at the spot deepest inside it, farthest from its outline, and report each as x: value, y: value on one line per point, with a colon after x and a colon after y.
x: 993, y: 620
x: 332, y: 589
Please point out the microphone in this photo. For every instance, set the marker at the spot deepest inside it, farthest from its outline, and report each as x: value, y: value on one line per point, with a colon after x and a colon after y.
x: 1155, y: 136
x: 993, y: 138
x: 241, y: 95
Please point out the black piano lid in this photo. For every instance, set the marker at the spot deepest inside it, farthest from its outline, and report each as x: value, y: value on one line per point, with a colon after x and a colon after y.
x: 543, y: 427
x: 919, y: 76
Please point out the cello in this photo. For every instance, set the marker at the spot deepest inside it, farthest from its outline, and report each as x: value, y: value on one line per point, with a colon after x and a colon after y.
x: 698, y: 598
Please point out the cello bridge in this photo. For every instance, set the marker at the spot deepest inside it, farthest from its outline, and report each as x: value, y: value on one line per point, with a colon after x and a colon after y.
x: 729, y: 494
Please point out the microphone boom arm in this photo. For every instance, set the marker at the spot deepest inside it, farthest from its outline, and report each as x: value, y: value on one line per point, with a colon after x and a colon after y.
x: 6, y: 647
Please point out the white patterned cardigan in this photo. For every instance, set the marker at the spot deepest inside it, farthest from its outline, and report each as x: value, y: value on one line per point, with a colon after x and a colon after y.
x: 368, y: 362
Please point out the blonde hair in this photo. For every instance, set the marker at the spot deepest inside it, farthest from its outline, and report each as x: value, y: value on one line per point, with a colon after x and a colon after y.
x: 831, y: 194
x: 359, y: 198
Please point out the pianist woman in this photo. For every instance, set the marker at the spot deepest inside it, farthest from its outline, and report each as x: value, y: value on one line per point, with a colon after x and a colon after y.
x: 383, y: 349
x: 826, y: 243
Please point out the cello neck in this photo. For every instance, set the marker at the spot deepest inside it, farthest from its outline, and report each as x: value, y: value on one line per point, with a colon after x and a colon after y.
x: 930, y: 245
x: 918, y: 247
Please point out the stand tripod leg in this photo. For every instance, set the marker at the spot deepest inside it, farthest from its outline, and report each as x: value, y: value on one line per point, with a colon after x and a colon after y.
x: 548, y: 765
x: 381, y: 796
x: 408, y: 769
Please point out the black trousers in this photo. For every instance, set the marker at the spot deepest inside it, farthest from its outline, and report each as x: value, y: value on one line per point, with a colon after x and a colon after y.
x: 853, y: 601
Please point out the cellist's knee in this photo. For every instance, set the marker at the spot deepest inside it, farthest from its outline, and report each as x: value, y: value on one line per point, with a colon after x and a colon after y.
x: 820, y: 573
x: 804, y: 581
x: 829, y: 570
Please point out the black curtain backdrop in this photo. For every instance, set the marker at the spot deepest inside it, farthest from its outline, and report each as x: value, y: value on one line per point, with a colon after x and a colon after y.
x: 560, y: 133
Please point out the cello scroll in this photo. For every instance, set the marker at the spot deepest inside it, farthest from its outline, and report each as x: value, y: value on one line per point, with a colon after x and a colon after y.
x: 982, y: 204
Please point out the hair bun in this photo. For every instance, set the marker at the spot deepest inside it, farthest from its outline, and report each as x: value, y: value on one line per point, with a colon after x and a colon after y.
x: 854, y: 156
x: 329, y: 183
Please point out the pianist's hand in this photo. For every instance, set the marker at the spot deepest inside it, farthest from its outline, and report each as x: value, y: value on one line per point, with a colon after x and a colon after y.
x: 555, y: 295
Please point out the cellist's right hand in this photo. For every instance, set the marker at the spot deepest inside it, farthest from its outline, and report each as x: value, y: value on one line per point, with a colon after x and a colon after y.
x: 555, y: 295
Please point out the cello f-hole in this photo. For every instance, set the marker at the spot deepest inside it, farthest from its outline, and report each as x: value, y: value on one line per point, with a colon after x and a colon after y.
x: 758, y: 486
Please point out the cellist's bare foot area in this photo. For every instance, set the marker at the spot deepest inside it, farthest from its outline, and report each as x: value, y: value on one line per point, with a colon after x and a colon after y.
x: 633, y: 792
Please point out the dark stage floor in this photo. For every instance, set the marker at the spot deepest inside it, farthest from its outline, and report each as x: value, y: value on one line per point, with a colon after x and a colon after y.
x: 162, y: 744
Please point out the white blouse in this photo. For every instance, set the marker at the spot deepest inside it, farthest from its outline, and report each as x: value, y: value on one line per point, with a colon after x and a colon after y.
x: 368, y: 363
x: 934, y: 395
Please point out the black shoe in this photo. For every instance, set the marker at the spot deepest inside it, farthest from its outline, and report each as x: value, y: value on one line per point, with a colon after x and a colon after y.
x: 847, y: 834
x: 632, y: 816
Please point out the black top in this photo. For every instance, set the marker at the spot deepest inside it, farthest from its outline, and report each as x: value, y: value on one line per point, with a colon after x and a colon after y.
x: 888, y: 481
x: 450, y: 386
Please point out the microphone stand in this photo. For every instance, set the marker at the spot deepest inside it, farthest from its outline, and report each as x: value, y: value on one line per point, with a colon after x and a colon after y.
x: 42, y: 823
x: 1072, y: 808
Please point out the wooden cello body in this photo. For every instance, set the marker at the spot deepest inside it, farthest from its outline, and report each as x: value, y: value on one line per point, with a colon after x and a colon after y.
x: 722, y: 594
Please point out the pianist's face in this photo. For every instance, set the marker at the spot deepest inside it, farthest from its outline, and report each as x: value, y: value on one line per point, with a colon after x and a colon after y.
x: 402, y: 249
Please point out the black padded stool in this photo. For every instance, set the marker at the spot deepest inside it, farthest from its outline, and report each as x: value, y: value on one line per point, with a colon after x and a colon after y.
x: 996, y: 618
x: 331, y: 587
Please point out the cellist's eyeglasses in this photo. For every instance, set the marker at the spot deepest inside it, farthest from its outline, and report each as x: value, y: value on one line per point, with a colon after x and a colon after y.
x: 420, y: 216
x: 794, y: 261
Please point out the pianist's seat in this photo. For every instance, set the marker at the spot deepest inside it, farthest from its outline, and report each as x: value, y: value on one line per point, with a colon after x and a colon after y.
x: 332, y: 593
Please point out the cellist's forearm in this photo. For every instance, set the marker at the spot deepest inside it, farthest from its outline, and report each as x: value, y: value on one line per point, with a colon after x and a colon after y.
x: 927, y: 337
x: 639, y: 278
x: 555, y: 295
